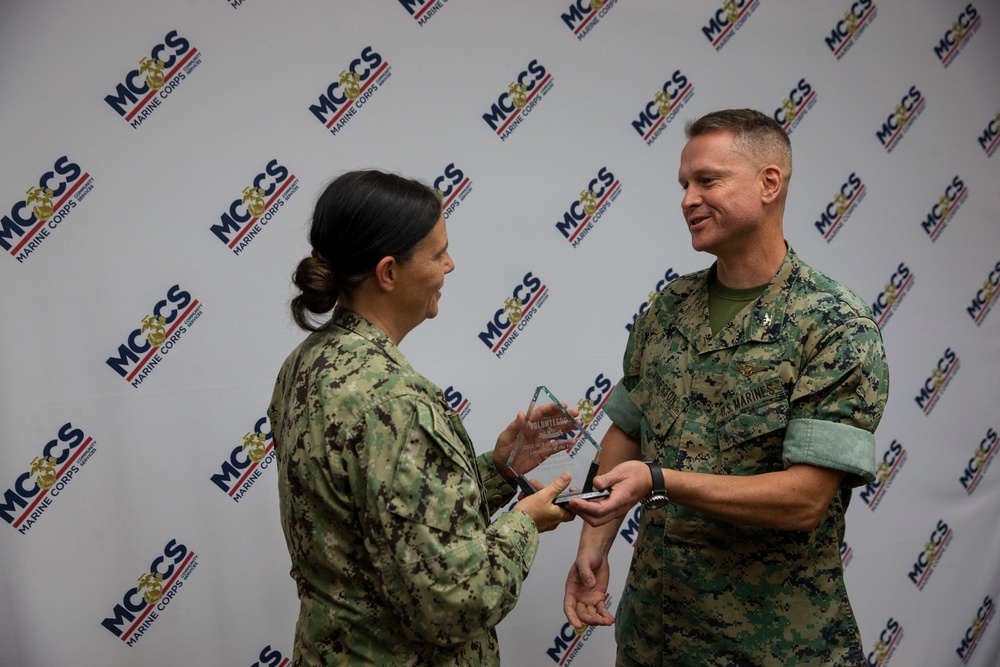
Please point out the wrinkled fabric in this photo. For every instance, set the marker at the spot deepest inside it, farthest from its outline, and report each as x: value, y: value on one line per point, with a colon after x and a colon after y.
x: 799, y: 376
x: 386, y: 510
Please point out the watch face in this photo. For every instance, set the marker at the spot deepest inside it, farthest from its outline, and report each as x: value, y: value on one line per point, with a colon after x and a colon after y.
x: 655, y: 503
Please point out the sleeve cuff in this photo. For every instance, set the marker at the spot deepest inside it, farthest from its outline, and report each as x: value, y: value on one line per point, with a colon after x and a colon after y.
x: 518, y: 530
x: 498, y: 489
x: 623, y: 412
x: 831, y: 445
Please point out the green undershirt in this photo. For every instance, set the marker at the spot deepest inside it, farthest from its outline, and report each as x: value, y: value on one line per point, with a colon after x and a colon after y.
x: 725, y: 303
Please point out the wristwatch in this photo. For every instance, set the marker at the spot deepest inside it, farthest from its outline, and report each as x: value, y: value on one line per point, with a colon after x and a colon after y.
x: 657, y: 498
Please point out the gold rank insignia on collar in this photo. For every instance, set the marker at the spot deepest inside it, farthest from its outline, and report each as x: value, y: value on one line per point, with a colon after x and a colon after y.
x: 746, y: 370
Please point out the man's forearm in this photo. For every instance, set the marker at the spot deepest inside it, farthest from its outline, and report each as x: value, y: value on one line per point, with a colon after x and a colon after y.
x: 616, y: 447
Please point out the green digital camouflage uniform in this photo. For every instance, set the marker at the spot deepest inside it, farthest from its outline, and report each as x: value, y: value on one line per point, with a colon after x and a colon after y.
x: 386, y: 510
x: 799, y: 376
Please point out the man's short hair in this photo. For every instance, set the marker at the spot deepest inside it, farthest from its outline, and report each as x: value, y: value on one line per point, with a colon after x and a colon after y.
x: 755, y: 133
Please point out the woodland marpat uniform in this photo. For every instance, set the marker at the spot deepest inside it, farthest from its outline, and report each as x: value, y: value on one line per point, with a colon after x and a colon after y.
x: 386, y: 510
x: 799, y: 376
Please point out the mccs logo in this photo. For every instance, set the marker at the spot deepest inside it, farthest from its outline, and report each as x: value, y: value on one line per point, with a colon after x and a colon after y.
x: 885, y: 472
x: 145, y: 88
x: 581, y: 17
x: 794, y: 108
x: 270, y: 657
x: 522, y: 96
x: 142, y: 604
x: 980, y: 461
x: 985, y: 297
x: 940, y: 378
x: 258, y: 205
x: 669, y: 276
x: 855, y: 21
x: 944, y: 210
x: 247, y: 461
x: 888, y: 642
x: 458, y: 403
x: 584, y: 213
x: 569, y: 642
x: 43, y: 208
x: 421, y: 10
x: 36, y: 489
x: 727, y: 20
x: 928, y: 559
x: 146, y: 346
x: 957, y: 36
x: 888, y: 301
x: 672, y: 96
x: 901, y: 119
x: 990, y: 138
x: 591, y: 406
x: 453, y: 186
x: 846, y: 554
x: 837, y: 211
x: 352, y: 89
x: 517, y: 312
x: 630, y: 527
x: 972, y: 634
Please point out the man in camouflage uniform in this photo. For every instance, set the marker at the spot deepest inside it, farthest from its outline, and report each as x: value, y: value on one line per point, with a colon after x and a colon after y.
x: 386, y: 510
x: 754, y: 387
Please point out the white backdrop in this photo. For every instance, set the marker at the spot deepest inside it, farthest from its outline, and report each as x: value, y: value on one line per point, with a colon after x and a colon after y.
x: 123, y: 469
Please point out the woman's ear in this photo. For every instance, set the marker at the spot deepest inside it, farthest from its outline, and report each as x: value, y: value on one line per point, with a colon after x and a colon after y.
x: 385, y: 273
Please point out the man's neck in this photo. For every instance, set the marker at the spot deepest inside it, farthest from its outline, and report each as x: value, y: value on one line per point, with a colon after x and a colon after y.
x: 752, y: 268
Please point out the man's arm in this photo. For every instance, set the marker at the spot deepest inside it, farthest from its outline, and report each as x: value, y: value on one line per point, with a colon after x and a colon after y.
x: 587, y: 583
x: 792, y: 499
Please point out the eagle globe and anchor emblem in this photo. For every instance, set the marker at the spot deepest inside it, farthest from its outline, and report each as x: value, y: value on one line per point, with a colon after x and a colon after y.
x: 255, y: 446
x: 40, y: 200
x: 153, y: 70
x: 43, y: 469
x: 154, y: 326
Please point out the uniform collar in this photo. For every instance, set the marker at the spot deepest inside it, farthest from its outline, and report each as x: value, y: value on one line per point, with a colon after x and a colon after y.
x: 351, y: 321
x: 760, y: 322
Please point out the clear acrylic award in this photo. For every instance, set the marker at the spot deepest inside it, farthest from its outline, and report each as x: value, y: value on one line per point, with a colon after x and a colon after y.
x: 552, y: 442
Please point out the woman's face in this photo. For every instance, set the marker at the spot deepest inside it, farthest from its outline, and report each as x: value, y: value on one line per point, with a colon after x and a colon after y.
x: 422, y: 277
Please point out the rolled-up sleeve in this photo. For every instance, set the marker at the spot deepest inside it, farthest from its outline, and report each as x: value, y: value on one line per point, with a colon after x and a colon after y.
x: 838, y: 402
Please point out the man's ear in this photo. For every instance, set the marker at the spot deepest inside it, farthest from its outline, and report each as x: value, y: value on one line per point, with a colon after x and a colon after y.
x: 386, y: 273
x: 771, y: 178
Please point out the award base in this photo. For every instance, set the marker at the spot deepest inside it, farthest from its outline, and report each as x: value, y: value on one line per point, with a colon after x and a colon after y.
x: 564, y: 498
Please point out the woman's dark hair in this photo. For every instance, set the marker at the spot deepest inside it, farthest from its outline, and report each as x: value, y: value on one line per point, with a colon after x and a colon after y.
x: 361, y: 217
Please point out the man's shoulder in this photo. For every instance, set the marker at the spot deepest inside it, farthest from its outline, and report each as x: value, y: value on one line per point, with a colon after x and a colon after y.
x: 815, y: 291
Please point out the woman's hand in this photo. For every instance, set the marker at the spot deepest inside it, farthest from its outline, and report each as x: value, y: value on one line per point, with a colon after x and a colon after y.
x: 535, y: 440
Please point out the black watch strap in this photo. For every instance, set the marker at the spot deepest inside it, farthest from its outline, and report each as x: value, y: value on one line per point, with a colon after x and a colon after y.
x: 657, y: 498
x: 657, y: 472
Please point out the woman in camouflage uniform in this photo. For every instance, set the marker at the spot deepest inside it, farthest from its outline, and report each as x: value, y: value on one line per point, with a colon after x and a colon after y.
x: 384, y: 505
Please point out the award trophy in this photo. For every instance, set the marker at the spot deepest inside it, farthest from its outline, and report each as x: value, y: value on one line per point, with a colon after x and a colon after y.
x: 552, y: 442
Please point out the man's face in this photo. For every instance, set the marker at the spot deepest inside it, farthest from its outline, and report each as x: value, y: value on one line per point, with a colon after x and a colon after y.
x: 722, y: 194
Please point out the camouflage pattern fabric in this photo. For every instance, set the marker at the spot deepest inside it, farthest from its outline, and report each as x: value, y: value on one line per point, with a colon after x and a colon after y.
x: 706, y: 592
x: 386, y: 510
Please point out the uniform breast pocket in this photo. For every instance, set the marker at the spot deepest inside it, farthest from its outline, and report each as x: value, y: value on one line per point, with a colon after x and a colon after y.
x: 750, y: 428
x: 660, y: 402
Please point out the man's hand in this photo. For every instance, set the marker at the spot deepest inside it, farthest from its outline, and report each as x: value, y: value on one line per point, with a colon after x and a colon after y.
x: 629, y: 483
x: 586, y: 590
